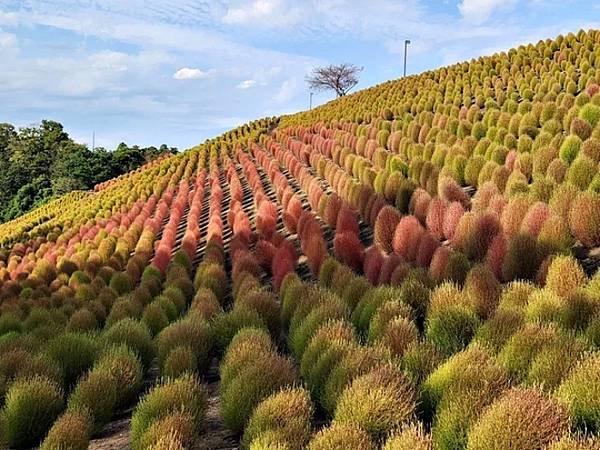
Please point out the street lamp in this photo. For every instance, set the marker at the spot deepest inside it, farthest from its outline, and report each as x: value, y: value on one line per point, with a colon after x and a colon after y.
x: 310, y: 101
x: 406, y: 42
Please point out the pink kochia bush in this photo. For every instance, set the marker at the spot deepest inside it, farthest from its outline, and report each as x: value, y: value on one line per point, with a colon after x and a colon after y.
x: 349, y: 249
x: 534, y: 220
x: 452, y: 216
x: 372, y: 263
x: 407, y: 236
x: 385, y: 226
x: 435, y: 217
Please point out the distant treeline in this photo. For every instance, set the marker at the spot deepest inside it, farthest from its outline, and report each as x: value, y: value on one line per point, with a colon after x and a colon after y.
x: 41, y: 162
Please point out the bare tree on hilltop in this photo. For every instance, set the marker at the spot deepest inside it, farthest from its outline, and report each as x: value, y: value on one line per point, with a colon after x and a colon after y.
x: 340, y: 78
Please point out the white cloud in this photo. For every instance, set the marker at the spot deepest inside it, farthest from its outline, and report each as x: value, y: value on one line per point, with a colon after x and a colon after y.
x: 9, y: 19
x: 246, y: 84
x: 270, y: 13
x: 479, y: 11
x: 186, y: 73
x: 7, y: 40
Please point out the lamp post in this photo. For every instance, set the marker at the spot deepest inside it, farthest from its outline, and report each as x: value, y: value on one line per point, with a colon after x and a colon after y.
x: 310, y: 102
x: 406, y: 42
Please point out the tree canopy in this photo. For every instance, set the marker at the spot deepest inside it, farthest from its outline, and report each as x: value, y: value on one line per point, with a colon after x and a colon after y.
x: 38, y: 163
x: 340, y: 78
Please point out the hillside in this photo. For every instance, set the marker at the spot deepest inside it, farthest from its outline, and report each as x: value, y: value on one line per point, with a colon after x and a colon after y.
x: 414, y: 265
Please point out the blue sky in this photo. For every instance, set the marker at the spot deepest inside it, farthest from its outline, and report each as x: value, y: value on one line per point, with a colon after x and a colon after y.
x: 178, y: 72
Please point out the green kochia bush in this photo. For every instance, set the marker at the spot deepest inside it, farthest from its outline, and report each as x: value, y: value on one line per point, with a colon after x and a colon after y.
x: 196, y: 334
x: 71, y: 431
x: 580, y: 392
x: 135, y: 335
x: 183, y: 395
x: 379, y: 402
x: 288, y: 413
x: 31, y: 406
x: 521, y: 419
x: 338, y: 436
x: 125, y: 370
x: 75, y: 352
x: 243, y: 382
x: 96, y: 395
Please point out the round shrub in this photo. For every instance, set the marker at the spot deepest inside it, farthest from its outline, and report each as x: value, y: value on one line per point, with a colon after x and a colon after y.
x: 71, y: 431
x: 246, y: 390
x: 180, y: 360
x: 155, y: 318
x: 590, y: 113
x: 523, y: 346
x: 82, y: 320
x: 520, y: 419
x: 554, y: 362
x: 338, y: 436
x: 564, y: 276
x: 419, y: 360
x: 96, y: 395
x: 227, y: 324
x: 135, y: 335
x: 570, y: 148
x: 482, y: 289
x: 581, y: 172
x: 125, y: 369
x: 576, y: 443
x: 523, y: 258
x: 385, y: 226
x: 378, y: 402
x: 470, y: 370
x: 372, y: 300
x: 121, y: 283
x: 584, y: 219
x: 183, y: 395
x: 193, y: 333
x: 288, y: 413
x: 176, y: 430
x: 409, y: 437
x: 452, y: 328
x: 353, y: 364
x: 399, y: 333
x: 580, y: 393
x: 75, y: 352
x: 495, y: 331
x: 31, y: 407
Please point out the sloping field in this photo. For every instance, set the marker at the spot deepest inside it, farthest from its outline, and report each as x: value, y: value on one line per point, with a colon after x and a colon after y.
x: 413, y: 266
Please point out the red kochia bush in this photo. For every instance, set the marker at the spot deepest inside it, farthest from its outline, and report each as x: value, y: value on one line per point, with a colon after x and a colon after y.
x: 284, y: 262
x: 334, y: 204
x: 584, y: 219
x: 495, y: 254
x: 407, y: 236
x: 428, y: 244
x: 372, y: 263
x: 390, y: 263
x: 419, y: 204
x: 439, y: 261
x: 533, y: 221
x: 452, y: 216
x: 435, y: 217
x: 348, y: 248
x: 264, y: 252
x: 347, y: 221
x: 315, y: 249
x: 385, y: 226
x: 376, y: 207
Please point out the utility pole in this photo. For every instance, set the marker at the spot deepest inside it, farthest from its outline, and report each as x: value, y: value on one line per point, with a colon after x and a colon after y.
x: 310, y: 102
x: 406, y: 42
x: 93, y: 140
